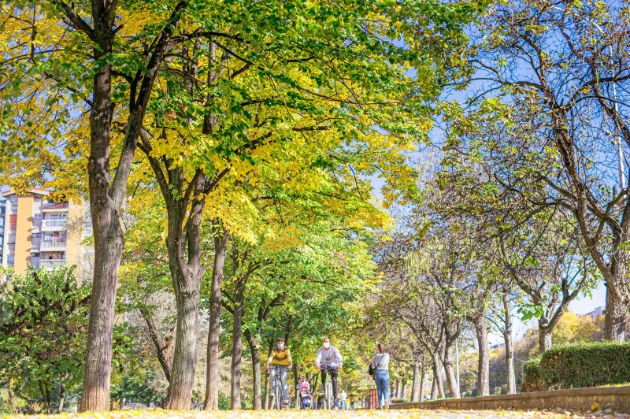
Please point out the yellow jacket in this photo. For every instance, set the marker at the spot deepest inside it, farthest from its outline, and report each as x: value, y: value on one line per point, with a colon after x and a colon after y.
x: 280, y: 358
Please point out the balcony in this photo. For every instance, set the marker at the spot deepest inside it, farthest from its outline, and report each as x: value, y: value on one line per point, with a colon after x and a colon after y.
x: 54, y: 224
x: 55, y: 207
x: 51, y: 263
x: 50, y: 245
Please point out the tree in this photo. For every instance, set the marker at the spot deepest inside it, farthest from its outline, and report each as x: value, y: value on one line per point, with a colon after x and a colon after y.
x: 477, y: 315
x: 334, y: 86
x: 257, y: 100
x: 81, y: 60
x: 565, y: 67
x: 504, y: 326
x: 294, y: 282
x: 549, y: 270
x: 145, y: 283
x: 493, y: 152
x: 243, y: 266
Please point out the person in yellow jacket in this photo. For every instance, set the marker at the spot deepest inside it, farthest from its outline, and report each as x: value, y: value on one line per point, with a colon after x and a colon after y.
x: 280, y: 362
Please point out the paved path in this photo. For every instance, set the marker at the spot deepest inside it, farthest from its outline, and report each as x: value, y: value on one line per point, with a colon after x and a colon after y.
x: 412, y: 414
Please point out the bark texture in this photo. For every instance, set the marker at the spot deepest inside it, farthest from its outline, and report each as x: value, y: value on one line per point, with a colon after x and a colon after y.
x: 212, y: 374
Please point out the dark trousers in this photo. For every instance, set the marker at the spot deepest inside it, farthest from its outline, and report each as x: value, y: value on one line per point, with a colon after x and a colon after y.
x: 333, y: 376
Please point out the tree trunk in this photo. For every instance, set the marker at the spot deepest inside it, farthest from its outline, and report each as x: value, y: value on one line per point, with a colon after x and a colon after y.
x: 296, y: 382
x: 62, y: 398
x: 267, y: 395
x: 544, y: 336
x: 415, y: 387
x: 237, y: 349
x: 108, y: 235
x: 184, y: 255
x: 10, y: 396
x: 615, y: 318
x: 108, y: 246
x: 255, y: 353
x: 185, y: 354
x: 434, y: 389
x: 483, y: 366
x: 257, y: 379
x: 314, y: 381
x: 617, y: 288
x: 422, y: 380
x: 450, y: 371
x: 437, y: 377
x: 212, y: 376
x: 403, y: 389
x: 509, y: 350
x: 186, y: 274
x: 43, y: 389
x: 254, y: 346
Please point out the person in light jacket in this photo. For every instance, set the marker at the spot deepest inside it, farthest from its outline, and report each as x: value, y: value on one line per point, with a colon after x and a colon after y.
x: 329, y: 362
x: 380, y: 364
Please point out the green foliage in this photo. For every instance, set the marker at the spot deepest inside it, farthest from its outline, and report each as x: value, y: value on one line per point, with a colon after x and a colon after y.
x: 311, y: 102
x: 579, y: 365
x: 43, y: 330
x: 529, y: 311
x: 136, y: 388
x: 43, y: 327
x: 339, y: 66
x: 224, y: 402
x: 533, y: 379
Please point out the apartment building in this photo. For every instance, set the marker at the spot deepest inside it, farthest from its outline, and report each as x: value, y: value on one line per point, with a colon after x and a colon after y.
x: 41, y: 232
x: 1, y: 226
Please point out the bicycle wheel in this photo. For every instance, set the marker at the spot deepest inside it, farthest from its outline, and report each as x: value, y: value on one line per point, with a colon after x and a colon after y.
x: 278, y: 393
x: 329, y: 395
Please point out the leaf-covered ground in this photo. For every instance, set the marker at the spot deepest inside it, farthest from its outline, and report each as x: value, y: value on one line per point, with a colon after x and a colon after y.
x: 446, y: 414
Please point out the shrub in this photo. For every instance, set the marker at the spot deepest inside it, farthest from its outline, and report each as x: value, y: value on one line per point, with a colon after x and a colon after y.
x: 43, y: 327
x: 586, y: 365
x: 579, y: 365
x: 533, y: 380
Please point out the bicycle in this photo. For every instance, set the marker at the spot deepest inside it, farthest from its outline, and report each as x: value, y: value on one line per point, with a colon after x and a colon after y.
x: 276, y: 388
x: 329, y: 401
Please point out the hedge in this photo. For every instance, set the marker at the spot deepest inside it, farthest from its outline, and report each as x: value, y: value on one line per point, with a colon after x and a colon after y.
x: 533, y: 380
x: 579, y: 365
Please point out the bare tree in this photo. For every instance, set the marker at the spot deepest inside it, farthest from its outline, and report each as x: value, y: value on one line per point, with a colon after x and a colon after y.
x: 544, y: 260
x: 567, y: 66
